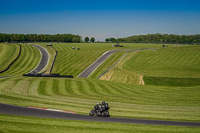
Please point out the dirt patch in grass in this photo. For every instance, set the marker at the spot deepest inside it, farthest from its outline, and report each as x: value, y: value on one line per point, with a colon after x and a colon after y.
x: 141, y: 80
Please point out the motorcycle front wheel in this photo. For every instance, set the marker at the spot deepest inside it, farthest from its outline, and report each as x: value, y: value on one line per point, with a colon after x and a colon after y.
x: 91, y: 113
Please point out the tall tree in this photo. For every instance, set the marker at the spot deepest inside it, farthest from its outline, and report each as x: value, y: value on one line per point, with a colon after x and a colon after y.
x: 92, y: 39
x: 112, y: 39
x: 107, y: 39
x: 87, y: 39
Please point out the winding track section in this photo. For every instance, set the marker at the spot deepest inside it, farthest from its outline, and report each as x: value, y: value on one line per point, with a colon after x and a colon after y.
x: 17, y: 110
x: 44, y: 60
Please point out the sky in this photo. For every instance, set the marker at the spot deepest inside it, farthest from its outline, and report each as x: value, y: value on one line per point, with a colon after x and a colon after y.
x: 100, y: 18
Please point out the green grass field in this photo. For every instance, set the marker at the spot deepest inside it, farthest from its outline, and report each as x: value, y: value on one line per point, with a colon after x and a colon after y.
x: 181, y: 62
x: 72, y: 61
x: 29, y: 59
x: 118, y: 73
x: 21, y: 124
x: 174, y: 66
x: 171, y: 67
x: 81, y: 94
x: 120, y: 87
x: 8, y: 52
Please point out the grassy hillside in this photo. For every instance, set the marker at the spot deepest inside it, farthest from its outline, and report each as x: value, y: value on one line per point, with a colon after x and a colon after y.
x: 29, y: 59
x: 72, y: 61
x: 167, y: 62
x: 81, y: 94
x: 174, y: 66
x: 21, y: 124
x: 118, y: 73
x: 171, y: 66
x: 165, y: 102
x: 8, y: 52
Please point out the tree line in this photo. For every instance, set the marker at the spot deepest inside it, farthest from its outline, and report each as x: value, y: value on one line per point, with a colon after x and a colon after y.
x: 39, y: 38
x: 159, y: 38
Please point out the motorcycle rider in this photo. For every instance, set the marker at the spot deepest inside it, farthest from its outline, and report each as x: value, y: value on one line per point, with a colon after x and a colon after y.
x: 105, y: 105
x: 100, y: 110
x: 97, y: 106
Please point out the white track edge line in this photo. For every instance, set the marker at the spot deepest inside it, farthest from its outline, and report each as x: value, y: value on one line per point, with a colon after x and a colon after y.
x: 40, y: 58
x: 93, y: 62
x: 99, y: 65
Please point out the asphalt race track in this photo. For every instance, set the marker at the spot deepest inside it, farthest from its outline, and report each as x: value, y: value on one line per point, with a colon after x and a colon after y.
x: 17, y: 110
x: 44, y: 60
x: 86, y: 73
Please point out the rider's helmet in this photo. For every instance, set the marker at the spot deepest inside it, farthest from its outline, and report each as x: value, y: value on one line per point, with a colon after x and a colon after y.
x: 103, y: 102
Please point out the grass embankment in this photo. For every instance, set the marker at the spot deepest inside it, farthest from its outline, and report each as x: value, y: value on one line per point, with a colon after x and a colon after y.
x: 107, y: 64
x: 169, y: 66
x: 118, y: 74
x: 72, y: 61
x: 19, y: 124
x: 29, y: 59
x: 80, y: 95
x: 8, y: 53
x: 174, y: 66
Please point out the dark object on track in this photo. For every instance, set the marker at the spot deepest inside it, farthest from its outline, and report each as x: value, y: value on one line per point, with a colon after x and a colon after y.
x: 100, y: 110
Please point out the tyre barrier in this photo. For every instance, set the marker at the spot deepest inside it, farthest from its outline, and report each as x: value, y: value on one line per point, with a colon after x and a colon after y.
x: 56, y: 75
x: 53, y: 62
x: 13, y: 60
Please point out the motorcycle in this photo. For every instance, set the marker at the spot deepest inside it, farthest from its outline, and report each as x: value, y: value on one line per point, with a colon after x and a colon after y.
x: 100, y: 110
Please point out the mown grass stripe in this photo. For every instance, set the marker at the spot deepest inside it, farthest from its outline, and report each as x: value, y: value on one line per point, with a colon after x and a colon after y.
x: 77, y: 88
x: 21, y: 87
x: 19, y: 63
x: 25, y: 63
x: 55, y: 87
x: 6, y: 86
x: 92, y: 88
x: 88, y: 88
x: 68, y: 87
x: 33, y: 89
x: 8, y: 53
x: 61, y: 87
x: 104, y: 88
x: 42, y: 88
